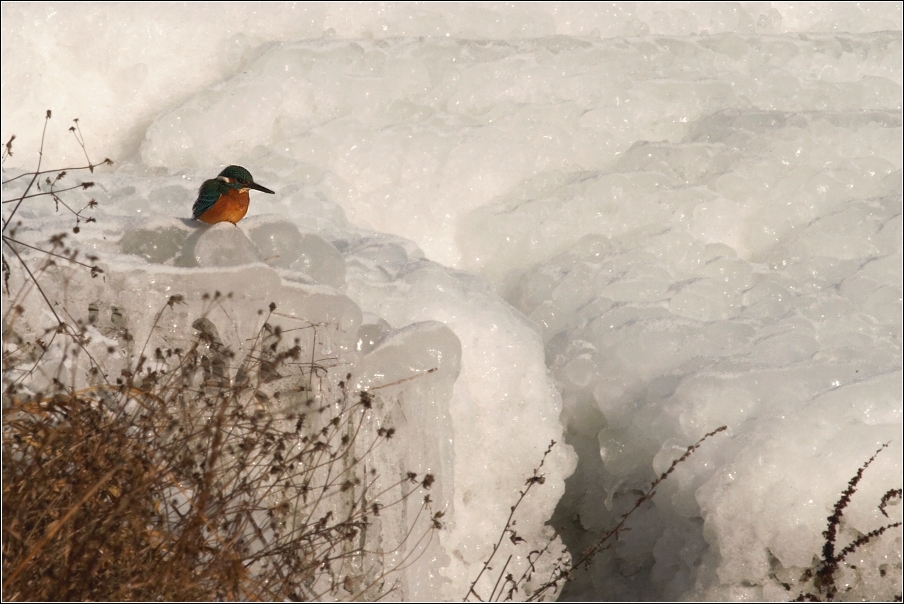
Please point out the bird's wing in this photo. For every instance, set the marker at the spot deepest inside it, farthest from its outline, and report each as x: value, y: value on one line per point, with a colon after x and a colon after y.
x: 208, y: 195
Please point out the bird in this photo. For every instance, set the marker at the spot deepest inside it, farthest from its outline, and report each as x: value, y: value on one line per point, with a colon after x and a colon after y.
x: 225, y: 198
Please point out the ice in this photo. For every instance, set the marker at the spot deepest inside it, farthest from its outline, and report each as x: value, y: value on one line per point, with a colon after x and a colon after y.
x: 617, y: 226
x: 157, y: 244
x: 503, y: 387
x: 222, y: 244
x: 415, y: 369
x: 282, y: 245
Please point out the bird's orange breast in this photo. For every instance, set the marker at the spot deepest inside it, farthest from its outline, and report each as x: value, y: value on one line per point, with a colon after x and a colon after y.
x: 230, y: 207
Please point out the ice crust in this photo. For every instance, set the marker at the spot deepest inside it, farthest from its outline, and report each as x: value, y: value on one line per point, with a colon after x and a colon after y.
x: 613, y: 226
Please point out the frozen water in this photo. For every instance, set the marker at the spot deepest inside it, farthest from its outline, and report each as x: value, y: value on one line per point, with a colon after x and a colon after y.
x: 503, y: 389
x: 621, y: 225
x: 282, y: 245
x: 431, y: 352
x: 222, y: 245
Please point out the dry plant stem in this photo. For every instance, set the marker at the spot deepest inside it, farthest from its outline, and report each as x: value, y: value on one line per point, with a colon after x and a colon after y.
x: 10, y: 242
x: 824, y: 579
x: 889, y: 495
x: 501, y: 574
x: 211, y: 495
x: 591, y: 552
x: 37, y: 284
x: 56, y: 526
x: 49, y: 253
x: 34, y: 176
x: 830, y: 534
x: 563, y: 572
x: 53, y: 193
x: 536, y: 478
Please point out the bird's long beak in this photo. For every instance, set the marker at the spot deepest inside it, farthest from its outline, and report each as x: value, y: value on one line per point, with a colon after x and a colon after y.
x: 257, y: 187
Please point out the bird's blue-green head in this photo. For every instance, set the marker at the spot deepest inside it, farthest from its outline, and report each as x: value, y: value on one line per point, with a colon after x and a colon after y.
x: 239, y: 177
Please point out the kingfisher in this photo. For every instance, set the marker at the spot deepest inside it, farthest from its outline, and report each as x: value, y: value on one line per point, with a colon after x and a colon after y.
x: 225, y: 198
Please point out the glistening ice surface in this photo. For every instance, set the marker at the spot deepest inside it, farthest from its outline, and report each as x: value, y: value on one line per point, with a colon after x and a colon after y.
x: 616, y: 226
